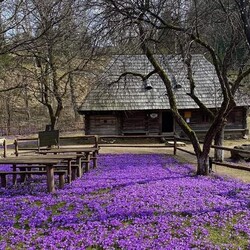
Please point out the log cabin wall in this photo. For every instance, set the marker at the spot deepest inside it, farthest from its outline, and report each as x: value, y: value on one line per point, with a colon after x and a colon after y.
x: 134, y: 122
x: 237, y: 118
x: 154, y: 122
x: 151, y: 122
x: 141, y: 122
x: 102, y: 124
x: 200, y: 122
x: 122, y: 123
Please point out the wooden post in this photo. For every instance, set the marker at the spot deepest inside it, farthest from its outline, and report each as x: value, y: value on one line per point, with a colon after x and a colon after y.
x: 96, y: 141
x: 61, y: 180
x: 3, y: 180
x: 88, y: 160
x: 14, y: 179
x: 50, y: 179
x: 16, y: 147
x: 70, y: 171
x: 175, y: 145
x: 4, y: 148
x: 210, y: 165
x: 95, y: 159
x: 79, y: 164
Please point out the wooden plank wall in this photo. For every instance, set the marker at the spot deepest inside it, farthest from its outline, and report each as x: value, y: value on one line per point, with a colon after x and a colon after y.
x: 134, y: 121
x: 140, y: 122
x: 154, y: 124
x: 199, y: 121
x: 106, y: 124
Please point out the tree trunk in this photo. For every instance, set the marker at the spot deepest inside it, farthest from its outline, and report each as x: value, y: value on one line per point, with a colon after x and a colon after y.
x: 203, y: 165
x: 53, y: 122
x: 27, y: 107
x: 55, y: 117
x: 73, y: 97
x: 218, y: 141
x: 8, y: 113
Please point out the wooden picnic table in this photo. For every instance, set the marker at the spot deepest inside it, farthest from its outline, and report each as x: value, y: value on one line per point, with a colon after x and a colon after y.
x: 87, y: 151
x: 50, y: 164
x: 69, y: 158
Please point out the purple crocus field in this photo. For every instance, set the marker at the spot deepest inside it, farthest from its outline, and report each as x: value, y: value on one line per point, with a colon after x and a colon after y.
x: 130, y: 201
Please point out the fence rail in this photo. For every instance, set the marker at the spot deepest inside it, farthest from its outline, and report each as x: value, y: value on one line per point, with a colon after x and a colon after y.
x: 212, y: 161
x: 97, y: 142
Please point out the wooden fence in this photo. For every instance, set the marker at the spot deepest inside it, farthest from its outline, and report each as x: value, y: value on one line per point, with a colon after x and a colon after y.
x: 33, y: 144
x: 211, y: 160
x: 22, y: 144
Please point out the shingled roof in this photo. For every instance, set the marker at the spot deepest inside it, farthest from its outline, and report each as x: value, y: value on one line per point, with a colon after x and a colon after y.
x: 129, y: 93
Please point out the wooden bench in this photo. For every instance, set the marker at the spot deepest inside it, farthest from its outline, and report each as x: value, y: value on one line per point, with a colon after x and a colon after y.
x: 32, y: 160
x: 87, y: 153
x: 75, y: 166
x: 45, y: 139
x: 63, y: 165
x: 30, y: 168
x: 26, y: 167
x: 48, y: 138
x: 3, y: 176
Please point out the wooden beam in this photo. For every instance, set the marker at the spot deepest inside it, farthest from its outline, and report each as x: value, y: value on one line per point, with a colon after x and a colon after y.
x: 231, y: 149
x: 184, y: 150
x: 232, y: 165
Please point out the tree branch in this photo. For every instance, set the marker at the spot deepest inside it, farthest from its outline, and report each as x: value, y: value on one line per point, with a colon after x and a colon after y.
x: 19, y: 86
x: 143, y: 77
x: 243, y: 7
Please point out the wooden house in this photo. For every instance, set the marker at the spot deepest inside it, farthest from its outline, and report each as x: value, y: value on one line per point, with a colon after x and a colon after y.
x: 128, y: 105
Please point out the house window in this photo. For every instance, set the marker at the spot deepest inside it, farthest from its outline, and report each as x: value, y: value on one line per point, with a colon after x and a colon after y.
x: 187, y: 116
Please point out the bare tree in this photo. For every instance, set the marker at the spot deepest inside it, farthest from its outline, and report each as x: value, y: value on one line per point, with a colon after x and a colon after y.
x: 195, y: 26
x: 8, y: 24
x: 57, y: 40
x: 244, y: 13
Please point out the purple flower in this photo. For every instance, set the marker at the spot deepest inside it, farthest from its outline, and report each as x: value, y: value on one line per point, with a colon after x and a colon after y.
x: 130, y: 201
